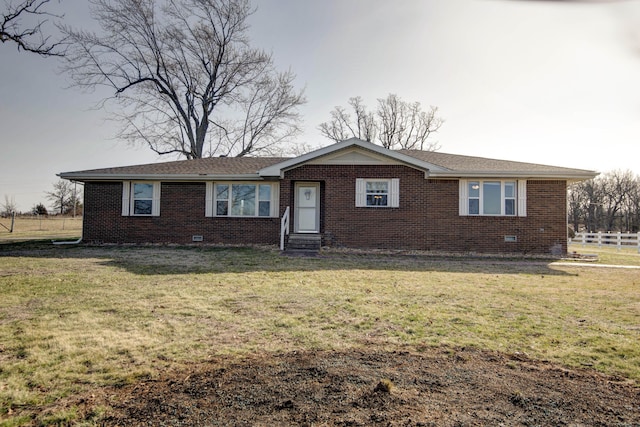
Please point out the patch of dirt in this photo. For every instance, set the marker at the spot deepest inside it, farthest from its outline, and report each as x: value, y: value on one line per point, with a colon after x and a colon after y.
x: 428, y: 387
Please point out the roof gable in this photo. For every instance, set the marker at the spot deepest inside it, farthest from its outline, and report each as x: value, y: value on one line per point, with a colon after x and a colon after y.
x: 354, y: 148
x: 353, y: 156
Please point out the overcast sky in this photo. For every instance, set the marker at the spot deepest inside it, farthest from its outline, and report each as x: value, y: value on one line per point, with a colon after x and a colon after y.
x: 537, y: 81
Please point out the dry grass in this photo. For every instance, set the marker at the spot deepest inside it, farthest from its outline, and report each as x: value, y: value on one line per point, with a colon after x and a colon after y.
x: 609, y: 255
x: 74, y: 318
x: 29, y: 228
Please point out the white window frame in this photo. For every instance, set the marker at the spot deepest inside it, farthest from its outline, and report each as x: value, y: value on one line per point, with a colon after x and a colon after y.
x: 393, y: 197
x: 520, y: 197
x: 128, y: 200
x: 212, y: 201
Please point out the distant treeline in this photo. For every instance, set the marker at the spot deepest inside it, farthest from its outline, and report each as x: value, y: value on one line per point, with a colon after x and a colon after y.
x: 609, y: 202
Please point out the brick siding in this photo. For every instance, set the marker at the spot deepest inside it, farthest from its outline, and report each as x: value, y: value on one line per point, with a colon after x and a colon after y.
x: 181, y: 217
x: 427, y: 218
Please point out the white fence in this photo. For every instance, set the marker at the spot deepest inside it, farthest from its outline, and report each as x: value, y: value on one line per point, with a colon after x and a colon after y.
x: 609, y: 239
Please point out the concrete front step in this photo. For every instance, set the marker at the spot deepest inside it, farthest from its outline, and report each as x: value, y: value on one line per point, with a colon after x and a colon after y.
x: 304, y: 242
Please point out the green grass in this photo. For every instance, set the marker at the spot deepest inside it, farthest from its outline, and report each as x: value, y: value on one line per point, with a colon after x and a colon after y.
x: 76, y: 318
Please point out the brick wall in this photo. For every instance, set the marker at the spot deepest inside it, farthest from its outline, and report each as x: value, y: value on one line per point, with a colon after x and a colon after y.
x: 427, y: 218
x: 181, y: 217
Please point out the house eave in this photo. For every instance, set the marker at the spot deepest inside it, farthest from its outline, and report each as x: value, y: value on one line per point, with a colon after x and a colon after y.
x: 569, y: 176
x: 83, y: 177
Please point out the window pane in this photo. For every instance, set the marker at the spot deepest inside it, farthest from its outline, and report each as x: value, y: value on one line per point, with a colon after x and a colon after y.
x: 376, y: 200
x: 474, y: 189
x: 474, y: 206
x: 222, y: 207
x: 243, y: 200
x: 509, y: 207
x: 142, y: 207
x: 264, y: 208
x: 222, y: 191
x: 491, y: 194
x: 509, y: 189
x: 377, y: 187
x: 142, y: 191
x: 265, y: 192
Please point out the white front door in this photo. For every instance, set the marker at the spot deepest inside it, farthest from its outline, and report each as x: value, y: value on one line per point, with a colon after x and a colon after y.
x: 307, y: 211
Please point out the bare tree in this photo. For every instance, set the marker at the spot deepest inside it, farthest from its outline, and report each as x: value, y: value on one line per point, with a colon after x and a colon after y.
x: 64, y: 197
x: 342, y: 126
x: 585, y: 205
x: 29, y: 36
x: 268, y: 118
x: 610, y: 202
x: 9, y: 206
x: 177, y: 67
x: 633, y: 208
x: 576, y: 208
x: 617, y: 187
x: 395, y: 124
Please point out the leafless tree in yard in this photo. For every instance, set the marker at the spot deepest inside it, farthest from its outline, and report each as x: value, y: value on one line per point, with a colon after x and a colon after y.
x: 395, y: 124
x: 8, y: 207
x: 342, y: 126
x: 22, y: 23
x: 63, y: 197
x: 185, y: 78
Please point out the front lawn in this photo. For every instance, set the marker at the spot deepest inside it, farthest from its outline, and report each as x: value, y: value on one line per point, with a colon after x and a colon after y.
x: 73, y: 319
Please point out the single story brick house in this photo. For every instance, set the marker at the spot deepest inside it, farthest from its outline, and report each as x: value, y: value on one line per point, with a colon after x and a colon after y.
x: 350, y: 194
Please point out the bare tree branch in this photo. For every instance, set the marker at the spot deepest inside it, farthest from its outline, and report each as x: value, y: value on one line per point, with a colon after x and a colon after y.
x: 395, y: 124
x: 29, y: 36
x: 182, y: 71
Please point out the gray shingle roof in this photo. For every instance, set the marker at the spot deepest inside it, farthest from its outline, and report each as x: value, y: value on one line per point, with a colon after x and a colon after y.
x: 460, y: 163
x: 437, y: 164
x: 194, y: 167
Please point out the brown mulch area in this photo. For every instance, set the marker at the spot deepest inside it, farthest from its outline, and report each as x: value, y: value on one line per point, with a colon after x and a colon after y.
x: 430, y: 387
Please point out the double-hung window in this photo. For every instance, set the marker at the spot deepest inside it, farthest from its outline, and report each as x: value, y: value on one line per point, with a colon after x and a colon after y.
x: 493, y: 197
x: 377, y: 192
x: 140, y: 198
x: 241, y: 199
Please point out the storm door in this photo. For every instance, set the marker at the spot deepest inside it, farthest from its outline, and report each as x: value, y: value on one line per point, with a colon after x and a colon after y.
x: 307, y: 207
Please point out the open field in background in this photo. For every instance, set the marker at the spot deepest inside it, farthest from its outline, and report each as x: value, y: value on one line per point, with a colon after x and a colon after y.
x: 76, y: 318
x: 44, y: 227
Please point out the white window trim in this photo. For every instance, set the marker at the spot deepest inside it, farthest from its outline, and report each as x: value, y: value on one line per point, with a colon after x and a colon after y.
x: 128, y: 201
x: 520, y: 200
x: 210, y: 202
x: 393, y: 200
